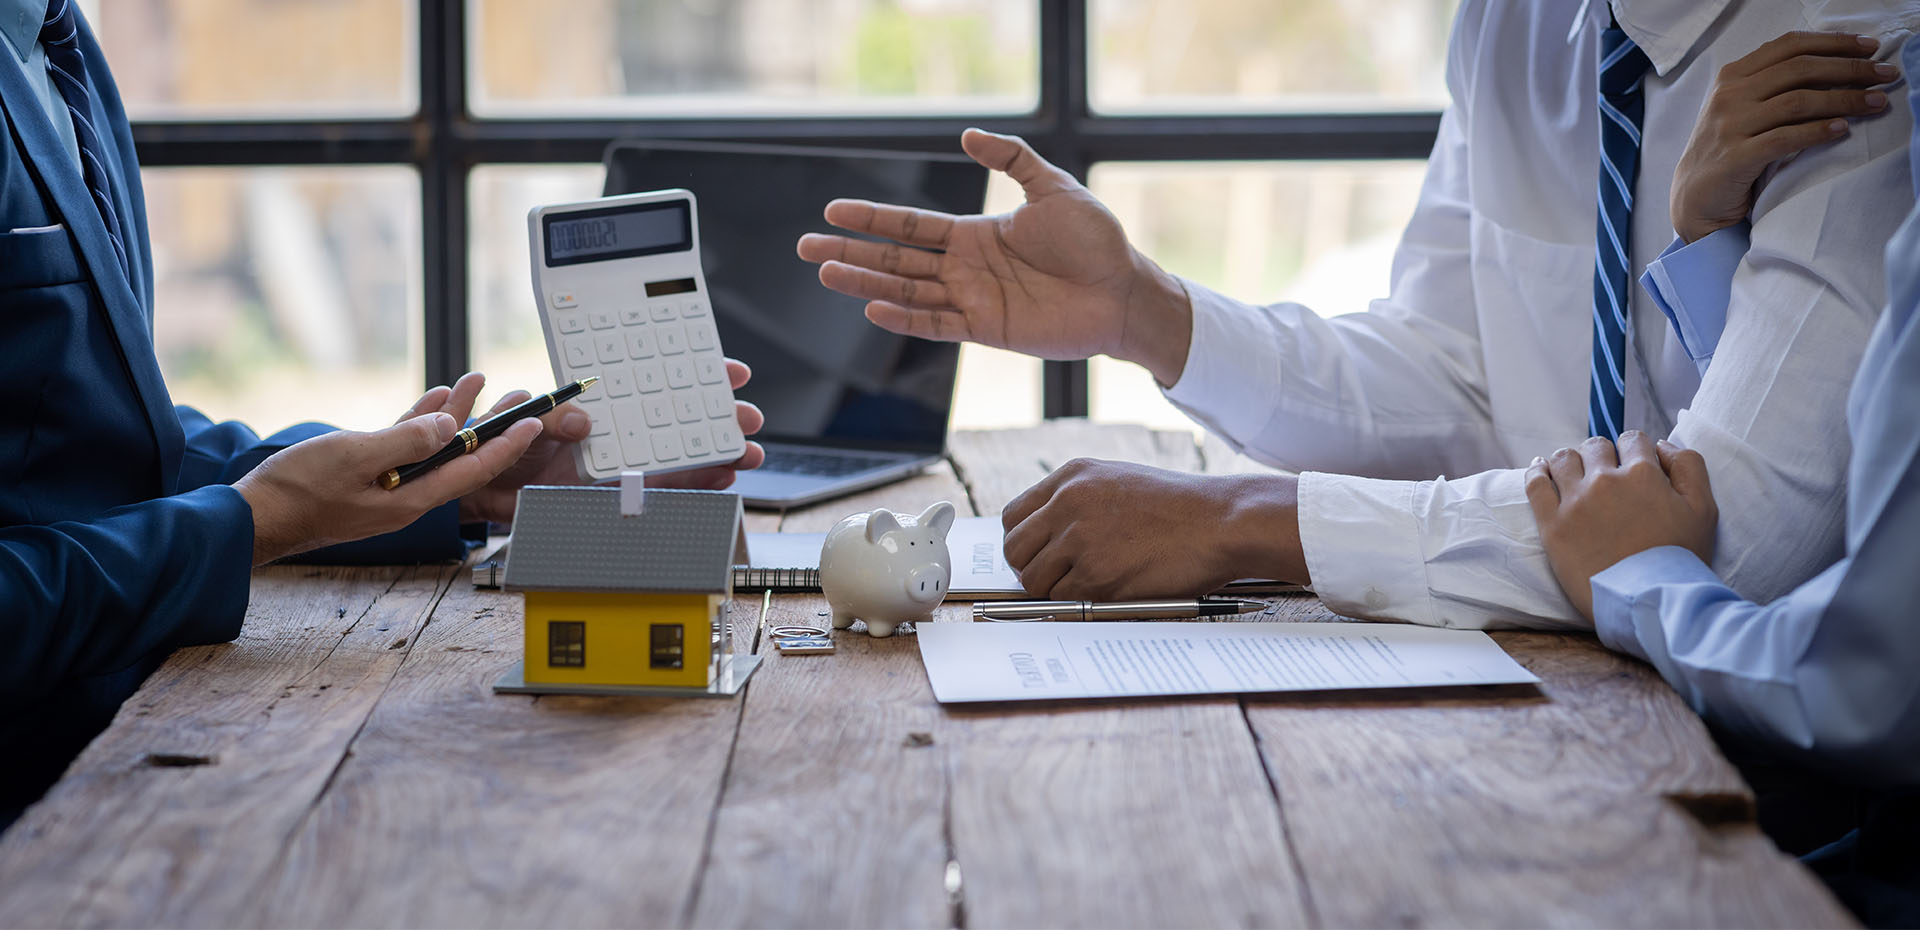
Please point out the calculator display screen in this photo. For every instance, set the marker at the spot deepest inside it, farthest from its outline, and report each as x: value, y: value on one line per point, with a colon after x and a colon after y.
x: 617, y: 232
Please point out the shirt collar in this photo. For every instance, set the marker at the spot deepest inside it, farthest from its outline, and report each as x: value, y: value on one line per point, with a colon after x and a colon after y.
x: 20, y: 21
x: 1664, y: 29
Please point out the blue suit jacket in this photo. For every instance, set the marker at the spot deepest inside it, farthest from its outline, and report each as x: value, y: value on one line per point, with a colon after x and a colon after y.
x: 120, y: 538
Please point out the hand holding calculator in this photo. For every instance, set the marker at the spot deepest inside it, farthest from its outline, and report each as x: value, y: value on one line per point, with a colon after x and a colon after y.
x: 622, y: 297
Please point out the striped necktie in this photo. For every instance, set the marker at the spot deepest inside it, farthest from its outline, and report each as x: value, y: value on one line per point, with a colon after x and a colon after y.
x: 1622, y: 67
x: 60, y: 34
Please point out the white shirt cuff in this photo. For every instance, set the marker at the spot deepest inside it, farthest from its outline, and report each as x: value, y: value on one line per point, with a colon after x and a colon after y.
x: 1461, y: 552
x: 1362, y: 547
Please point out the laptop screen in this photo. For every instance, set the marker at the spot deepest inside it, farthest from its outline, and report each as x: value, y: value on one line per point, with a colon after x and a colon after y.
x: 821, y: 373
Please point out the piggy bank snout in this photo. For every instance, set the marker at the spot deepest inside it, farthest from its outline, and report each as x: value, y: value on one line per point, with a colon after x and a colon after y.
x: 927, y: 584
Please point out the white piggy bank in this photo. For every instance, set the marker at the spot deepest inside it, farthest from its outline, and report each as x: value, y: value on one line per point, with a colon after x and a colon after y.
x: 886, y: 569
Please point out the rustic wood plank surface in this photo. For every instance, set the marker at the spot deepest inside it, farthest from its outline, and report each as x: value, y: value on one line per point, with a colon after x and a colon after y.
x: 1070, y: 815
x: 1542, y: 811
x: 835, y: 812
x: 1516, y: 811
x: 174, y: 814
x: 345, y: 763
x: 558, y: 810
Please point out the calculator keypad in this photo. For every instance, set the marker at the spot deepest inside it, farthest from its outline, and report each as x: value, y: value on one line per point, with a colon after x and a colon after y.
x: 663, y: 399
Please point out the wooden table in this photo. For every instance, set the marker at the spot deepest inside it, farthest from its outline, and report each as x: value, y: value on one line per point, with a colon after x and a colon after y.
x: 345, y: 763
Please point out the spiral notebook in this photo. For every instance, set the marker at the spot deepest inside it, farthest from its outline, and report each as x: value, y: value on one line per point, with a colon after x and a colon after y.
x: 790, y: 562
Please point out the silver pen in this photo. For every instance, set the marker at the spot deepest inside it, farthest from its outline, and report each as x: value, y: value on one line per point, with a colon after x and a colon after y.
x: 1184, y: 609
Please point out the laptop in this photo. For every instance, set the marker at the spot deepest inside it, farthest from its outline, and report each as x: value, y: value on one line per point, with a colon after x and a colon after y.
x: 849, y: 405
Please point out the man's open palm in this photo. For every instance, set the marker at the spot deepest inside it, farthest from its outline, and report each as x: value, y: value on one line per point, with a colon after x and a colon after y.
x: 1054, y: 278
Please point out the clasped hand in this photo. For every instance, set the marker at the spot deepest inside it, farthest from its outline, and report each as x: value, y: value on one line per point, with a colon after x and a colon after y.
x: 1599, y: 503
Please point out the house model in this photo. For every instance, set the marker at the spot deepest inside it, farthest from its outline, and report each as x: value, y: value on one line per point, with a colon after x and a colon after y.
x: 619, y: 603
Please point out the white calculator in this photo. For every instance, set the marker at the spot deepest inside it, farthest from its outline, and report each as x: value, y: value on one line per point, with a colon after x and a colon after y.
x: 622, y: 297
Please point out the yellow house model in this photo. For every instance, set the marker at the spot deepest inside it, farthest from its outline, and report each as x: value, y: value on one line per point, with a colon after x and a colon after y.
x: 616, y: 601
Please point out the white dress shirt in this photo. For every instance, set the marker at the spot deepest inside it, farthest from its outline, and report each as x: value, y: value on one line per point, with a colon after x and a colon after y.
x: 1478, y: 359
x: 1825, y: 672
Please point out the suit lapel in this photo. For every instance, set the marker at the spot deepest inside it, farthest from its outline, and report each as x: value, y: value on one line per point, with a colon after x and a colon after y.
x: 131, y: 326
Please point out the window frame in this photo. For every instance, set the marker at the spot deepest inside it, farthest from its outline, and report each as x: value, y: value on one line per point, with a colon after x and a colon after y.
x: 566, y: 644
x: 444, y: 141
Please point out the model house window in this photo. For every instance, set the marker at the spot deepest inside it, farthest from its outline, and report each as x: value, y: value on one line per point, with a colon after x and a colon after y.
x: 567, y: 643
x: 667, y: 645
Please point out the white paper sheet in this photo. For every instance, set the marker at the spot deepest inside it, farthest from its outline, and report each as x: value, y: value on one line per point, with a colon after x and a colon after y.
x: 1050, y: 661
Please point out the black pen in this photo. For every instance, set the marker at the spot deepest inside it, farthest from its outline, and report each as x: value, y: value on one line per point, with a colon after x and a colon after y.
x: 470, y: 438
x: 1021, y: 611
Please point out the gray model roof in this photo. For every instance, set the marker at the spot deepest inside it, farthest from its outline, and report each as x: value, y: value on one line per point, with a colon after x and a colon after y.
x: 575, y: 539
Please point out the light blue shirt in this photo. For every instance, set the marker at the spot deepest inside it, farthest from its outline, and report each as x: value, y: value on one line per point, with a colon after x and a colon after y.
x: 1692, y: 283
x: 20, y: 25
x: 1831, y: 670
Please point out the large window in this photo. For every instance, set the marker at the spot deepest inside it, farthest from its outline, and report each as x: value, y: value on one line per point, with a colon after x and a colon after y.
x: 337, y: 202
x: 648, y: 58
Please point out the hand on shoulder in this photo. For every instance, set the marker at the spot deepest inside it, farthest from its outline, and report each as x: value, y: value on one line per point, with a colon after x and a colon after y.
x: 1793, y: 93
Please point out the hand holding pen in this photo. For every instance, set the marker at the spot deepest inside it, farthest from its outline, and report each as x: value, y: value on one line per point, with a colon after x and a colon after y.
x: 325, y: 490
x: 469, y: 439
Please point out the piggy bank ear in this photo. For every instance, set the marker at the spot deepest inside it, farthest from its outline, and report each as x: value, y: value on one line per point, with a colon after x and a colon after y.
x: 880, y: 523
x: 939, y: 516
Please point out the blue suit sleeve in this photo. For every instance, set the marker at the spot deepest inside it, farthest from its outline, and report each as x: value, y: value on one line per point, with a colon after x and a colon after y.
x: 220, y: 453
x: 93, y: 598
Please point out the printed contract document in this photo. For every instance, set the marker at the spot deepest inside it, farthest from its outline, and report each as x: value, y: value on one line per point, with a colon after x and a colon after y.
x: 1051, y: 661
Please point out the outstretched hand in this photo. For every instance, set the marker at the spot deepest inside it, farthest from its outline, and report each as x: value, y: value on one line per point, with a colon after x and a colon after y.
x: 1599, y: 504
x: 1792, y: 93
x: 1055, y: 278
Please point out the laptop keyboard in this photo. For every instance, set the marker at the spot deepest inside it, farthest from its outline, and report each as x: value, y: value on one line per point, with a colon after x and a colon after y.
x: 822, y: 465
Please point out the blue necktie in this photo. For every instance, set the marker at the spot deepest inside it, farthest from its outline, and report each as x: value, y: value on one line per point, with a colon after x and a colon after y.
x: 60, y: 33
x: 1622, y: 66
